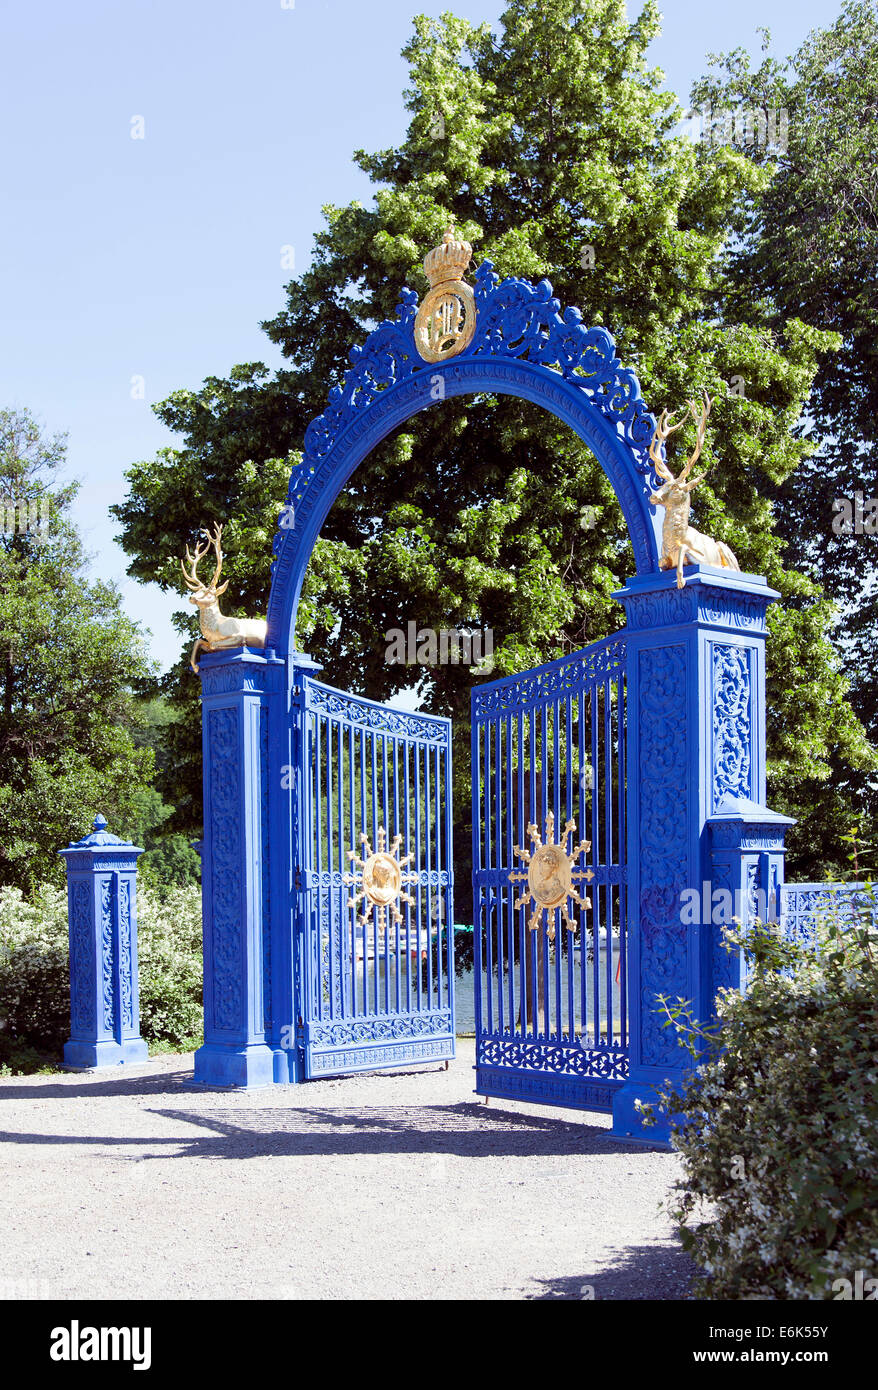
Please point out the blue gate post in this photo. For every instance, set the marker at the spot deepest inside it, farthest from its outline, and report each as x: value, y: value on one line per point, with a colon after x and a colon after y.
x: 747, y: 870
x: 243, y: 698
x: 102, y: 921
x: 696, y: 734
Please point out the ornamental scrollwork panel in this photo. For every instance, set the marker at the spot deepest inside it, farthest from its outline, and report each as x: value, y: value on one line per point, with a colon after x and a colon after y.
x: 514, y: 319
x: 663, y: 773
x: 346, y: 1033
x: 108, y: 955
x: 82, y: 963
x: 564, y: 1059
x: 225, y: 865
x: 804, y: 905
x: 732, y: 732
x: 126, y: 988
x: 323, y: 699
x: 601, y: 661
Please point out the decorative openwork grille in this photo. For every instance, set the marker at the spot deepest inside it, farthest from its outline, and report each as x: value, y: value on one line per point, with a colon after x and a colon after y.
x: 551, y: 998
x: 377, y: 979
x: 803, y: 905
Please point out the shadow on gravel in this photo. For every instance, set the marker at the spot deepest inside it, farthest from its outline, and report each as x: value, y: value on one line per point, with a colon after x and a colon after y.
x: 147, y: 1083
x: 170, y: 1083
x: 467, y: 1130
x: 644, y: 1273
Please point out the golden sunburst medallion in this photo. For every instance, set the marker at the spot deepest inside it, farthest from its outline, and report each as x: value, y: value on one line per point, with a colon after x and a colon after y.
x: 550, y: 875
x: 446, y: 321
x: 380, y: 879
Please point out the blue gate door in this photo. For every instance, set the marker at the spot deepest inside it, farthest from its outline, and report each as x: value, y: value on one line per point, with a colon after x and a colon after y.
x: 549, y: 880
x: 375, y: 932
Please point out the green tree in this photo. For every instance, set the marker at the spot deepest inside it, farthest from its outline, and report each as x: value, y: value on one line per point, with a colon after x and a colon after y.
x: 807, y: 246
x: 553, y: 150
x: 71, y: 661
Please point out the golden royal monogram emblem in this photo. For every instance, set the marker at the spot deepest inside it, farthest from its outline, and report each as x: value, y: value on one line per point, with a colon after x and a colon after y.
x: 550, y: 875
x: 380, y: 880
x: 446, y: 321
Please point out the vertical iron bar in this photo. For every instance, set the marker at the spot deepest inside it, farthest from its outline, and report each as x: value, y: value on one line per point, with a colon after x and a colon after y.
x: 608, y: 851
x: 491, y: 892
x: 596, y: 851
x: 577, y: 913
x: 623, y: 859
x: 501, y: 891
x: 560, y: 928
x: 510, y: 864
x: 416, y: 749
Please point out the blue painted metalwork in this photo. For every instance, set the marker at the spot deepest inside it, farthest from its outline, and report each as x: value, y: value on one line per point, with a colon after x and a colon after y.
x: 804, y: 905
x: 102, y: 921
x: 524, y: 345
x: 696, y: 734
x: 551, y: 1014
x: 686, y: 732
x: 369, y: 997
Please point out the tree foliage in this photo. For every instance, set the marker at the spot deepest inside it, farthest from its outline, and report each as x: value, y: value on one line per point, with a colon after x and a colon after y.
x: 553, y: 150
x: 807, y: 247
x: 71, y: 662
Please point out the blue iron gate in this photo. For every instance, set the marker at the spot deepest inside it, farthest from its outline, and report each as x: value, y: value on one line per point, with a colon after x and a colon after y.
x: 375, y: 968
x: 549, y: 881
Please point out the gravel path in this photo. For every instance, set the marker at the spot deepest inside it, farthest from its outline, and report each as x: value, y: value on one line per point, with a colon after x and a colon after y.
x: 395, y: 1185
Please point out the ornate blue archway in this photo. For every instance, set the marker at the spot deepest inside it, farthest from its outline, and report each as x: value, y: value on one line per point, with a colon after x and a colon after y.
x: 691, y: 659
x: 524, y: 345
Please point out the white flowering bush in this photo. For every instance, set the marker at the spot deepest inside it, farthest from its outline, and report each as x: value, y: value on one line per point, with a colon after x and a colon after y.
x: 778, y: 1129
x: 35, y: 980
x: 171, y: 967
x: 34, y: 983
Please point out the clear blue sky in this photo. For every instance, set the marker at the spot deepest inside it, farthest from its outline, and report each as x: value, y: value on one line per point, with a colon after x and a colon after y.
x: 157, y: 258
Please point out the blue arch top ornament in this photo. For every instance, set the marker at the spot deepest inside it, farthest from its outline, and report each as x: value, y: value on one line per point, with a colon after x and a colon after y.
x: 523, y: 345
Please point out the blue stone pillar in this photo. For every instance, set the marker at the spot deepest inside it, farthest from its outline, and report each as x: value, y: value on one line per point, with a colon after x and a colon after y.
x: 747, y: 869
x: 695, y: 734
x: 243, y: 702
x: 102, y: 921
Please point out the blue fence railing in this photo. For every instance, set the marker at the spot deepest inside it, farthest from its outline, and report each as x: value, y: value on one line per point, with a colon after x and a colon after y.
x: 802, y: 905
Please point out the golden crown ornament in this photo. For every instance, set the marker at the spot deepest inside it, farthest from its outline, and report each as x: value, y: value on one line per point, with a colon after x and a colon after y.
x: 446, y: 321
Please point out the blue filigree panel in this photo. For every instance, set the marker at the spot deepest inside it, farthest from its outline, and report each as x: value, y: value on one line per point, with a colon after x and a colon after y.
x: 804, y: 905
x: 732, y: 730
x: 81, y: 959
x: 663, y: 792
x: 225, y: 866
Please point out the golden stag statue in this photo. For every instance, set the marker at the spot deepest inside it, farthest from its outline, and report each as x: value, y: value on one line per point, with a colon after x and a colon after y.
x: 217, y: 631
x: 681, y: 543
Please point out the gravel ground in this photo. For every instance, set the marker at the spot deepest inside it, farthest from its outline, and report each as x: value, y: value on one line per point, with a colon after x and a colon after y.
x: 395, y: 1185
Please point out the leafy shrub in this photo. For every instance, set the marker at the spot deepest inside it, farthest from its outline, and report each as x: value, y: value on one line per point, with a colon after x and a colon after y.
x: 35, y: 981
x: 778, y: 1129
x: 169, y: 952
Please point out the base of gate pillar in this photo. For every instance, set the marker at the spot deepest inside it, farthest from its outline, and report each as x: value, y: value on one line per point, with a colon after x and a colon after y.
x: 629, y: 1121
x: 91, y: 1056
x: 242, y: 1067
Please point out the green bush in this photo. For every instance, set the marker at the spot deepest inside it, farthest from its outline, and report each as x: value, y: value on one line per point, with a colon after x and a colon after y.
x: 35, y: 982
x: 171, y: 969
x: 778, y: 1129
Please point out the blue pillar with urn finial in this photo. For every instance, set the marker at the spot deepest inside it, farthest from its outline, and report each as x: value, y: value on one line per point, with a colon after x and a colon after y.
x: 102, y: 921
